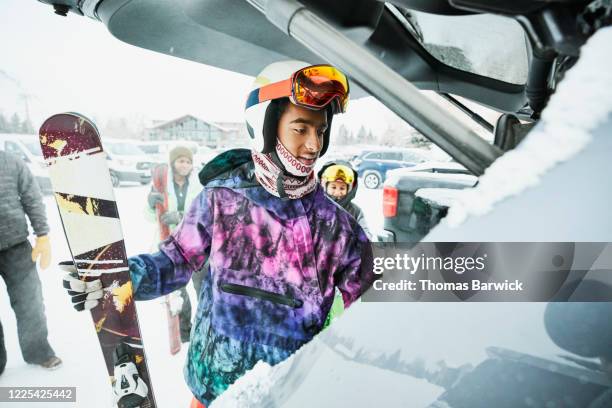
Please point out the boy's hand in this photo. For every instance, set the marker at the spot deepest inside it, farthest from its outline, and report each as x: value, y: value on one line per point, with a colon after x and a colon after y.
x: 84, y: 295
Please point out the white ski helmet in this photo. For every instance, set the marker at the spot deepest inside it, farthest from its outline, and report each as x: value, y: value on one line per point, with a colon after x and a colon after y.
x: 262, y: 119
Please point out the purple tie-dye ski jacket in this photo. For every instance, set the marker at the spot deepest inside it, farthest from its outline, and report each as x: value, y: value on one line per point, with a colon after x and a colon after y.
x: 274, y: 265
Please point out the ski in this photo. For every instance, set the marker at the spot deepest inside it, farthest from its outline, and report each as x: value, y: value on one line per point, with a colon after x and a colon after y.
x: 82, y: 186
x: 159, y: 179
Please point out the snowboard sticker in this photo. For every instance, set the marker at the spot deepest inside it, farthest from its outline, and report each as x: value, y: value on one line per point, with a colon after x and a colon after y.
x: 84, y: 194
x: 159, y: 179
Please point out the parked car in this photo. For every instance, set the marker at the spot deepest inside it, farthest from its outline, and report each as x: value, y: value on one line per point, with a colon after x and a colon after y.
x: 373, y: 165
x: 415, y: 199
x: 153, y: 151
x: 127, y: 162
x: 203, y: 155
x: 158, y: 151
x: 28, y: 149
x: 425, y: 211
x: 337, y: 154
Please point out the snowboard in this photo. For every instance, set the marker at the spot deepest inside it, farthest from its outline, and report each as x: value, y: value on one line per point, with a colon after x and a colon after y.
x: 159, y: 176
x: 513, y: 379
x: 83, y: 190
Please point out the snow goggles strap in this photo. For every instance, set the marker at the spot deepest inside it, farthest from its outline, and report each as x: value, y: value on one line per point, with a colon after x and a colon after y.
x: 312, y: 87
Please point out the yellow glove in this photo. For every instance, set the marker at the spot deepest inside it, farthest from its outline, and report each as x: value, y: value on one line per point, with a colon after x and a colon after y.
x: 42, y: 248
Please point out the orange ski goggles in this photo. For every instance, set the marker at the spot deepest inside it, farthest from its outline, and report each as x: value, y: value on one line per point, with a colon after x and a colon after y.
x: 312, y: 87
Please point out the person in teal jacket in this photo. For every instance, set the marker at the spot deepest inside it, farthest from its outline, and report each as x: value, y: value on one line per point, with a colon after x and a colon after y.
x: 183, y: 187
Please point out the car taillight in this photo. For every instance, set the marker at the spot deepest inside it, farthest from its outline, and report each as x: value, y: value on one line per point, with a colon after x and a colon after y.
x: 390, y: 195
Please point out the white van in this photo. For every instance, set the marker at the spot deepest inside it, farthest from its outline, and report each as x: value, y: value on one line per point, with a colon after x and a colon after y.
x: 127, y: 161
x: 27, y: 148
x: 158, y: 151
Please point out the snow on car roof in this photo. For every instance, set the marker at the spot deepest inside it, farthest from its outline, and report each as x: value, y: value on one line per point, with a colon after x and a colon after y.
x: 436, y: 165
x: 445, y: 197
x: 581, y: 103
x: 395, y: 174
x: 394, y: 149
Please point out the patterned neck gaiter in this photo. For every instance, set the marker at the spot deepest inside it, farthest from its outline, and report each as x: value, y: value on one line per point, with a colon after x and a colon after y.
x: 299, y: 182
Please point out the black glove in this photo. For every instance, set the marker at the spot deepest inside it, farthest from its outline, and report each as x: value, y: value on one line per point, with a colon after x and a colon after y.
x: 154, y: 198
x: 84, y: 295
x: 171, y: 217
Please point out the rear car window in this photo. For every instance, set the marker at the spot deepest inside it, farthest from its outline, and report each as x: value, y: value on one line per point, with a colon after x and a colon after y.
x: 413, y: 157
x: 374, y: 155
x: 466, y: 42
x: 392, y: 156
x: 149, y: 149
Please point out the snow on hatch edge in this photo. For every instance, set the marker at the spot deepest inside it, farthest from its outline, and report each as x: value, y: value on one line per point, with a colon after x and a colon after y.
x: 581, y: 102
x: 248, y: 390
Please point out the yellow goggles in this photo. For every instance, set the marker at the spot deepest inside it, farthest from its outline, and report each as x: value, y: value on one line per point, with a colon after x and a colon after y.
x: 338, y: 172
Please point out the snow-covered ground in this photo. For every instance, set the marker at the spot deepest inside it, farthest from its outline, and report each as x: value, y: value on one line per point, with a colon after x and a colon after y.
x: 72, y: 336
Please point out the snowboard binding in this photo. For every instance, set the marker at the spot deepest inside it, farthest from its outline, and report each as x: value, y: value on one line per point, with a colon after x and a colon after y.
x: 130, y: 390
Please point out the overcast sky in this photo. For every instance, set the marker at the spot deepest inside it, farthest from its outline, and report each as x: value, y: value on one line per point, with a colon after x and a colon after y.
x: 74, y: 64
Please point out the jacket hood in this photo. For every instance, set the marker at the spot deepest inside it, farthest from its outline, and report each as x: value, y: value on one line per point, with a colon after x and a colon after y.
x: 224, y: 165
x: 346, y: 200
